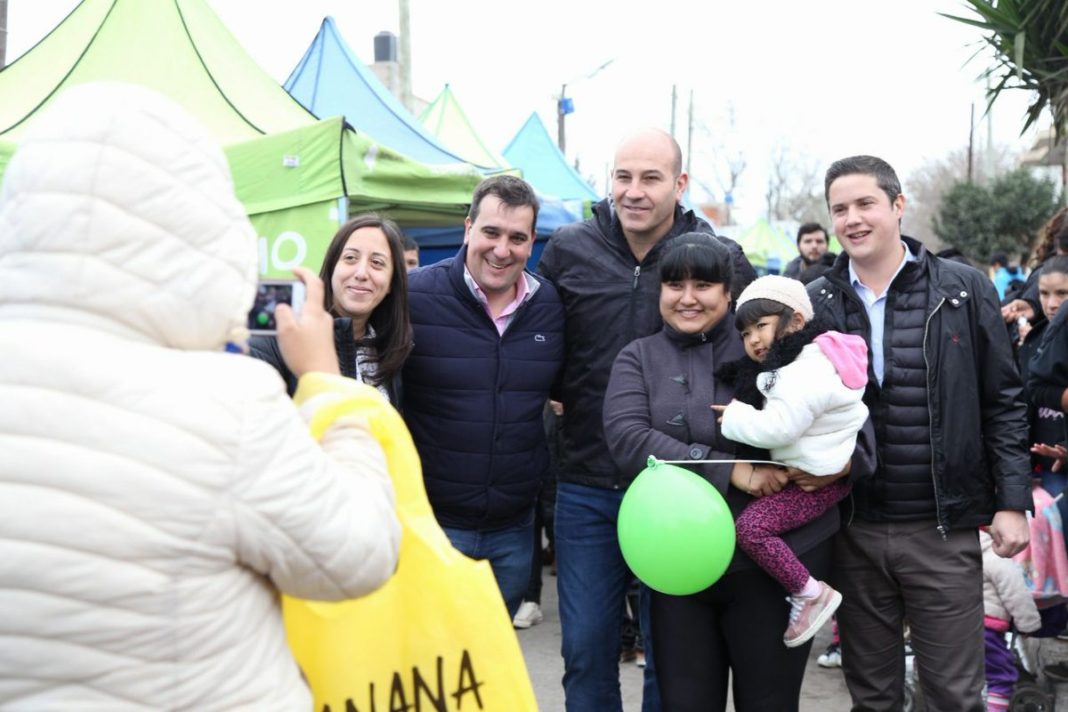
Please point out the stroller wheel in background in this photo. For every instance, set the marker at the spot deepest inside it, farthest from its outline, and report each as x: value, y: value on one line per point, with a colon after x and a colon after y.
x: 913, y: 695
x: 914, y: 700
x: 1030, y: 697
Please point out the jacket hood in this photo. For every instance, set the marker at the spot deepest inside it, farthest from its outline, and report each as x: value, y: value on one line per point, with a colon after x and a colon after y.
x: 986, y: 542
x: 849, y: 355
x: 118, y: 212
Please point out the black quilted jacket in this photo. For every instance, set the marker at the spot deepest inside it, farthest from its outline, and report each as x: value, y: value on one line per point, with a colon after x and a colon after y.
x: 950, y: 418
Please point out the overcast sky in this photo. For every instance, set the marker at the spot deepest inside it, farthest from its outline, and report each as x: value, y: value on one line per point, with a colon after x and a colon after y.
x: 826, y: 78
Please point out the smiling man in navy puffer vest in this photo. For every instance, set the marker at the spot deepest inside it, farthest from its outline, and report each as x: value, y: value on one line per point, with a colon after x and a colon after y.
x: 488, y: 344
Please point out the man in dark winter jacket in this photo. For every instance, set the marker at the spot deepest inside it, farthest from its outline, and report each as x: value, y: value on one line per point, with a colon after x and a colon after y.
x: 606, y: 272
x: 488, y: 343
x: 811, y: 246
x: 951, y: 431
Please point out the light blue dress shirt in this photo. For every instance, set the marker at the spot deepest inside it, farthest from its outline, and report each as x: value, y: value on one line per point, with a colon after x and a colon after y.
x: 875, y: 304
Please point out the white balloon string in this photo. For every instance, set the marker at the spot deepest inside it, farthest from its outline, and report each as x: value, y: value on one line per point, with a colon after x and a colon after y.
x: 657, y: 461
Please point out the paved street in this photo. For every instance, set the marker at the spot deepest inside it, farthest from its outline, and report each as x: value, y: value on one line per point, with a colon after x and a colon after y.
x: 824, y: 690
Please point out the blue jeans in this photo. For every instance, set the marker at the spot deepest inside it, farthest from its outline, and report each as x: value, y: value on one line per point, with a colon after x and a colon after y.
x: 508, y: 552
x: 592, y: 578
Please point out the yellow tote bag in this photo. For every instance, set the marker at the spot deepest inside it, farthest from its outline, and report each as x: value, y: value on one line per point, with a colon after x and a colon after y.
x: 435, y: 638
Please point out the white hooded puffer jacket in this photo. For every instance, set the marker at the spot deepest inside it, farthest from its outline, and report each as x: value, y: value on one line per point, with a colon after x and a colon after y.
x: 155, y: 491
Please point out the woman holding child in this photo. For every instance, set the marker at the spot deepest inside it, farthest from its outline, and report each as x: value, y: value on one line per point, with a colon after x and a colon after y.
x: 658, y: 403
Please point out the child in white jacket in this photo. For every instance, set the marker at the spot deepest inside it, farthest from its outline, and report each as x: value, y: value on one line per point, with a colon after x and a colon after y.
x: 801, y: 398
x: 1006, y: 600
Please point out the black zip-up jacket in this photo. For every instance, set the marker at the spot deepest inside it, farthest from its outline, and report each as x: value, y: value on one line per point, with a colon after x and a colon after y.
x: 610, y: 300
x: 794, y: 268
x: 1047, y: 377
x: 954, y: 354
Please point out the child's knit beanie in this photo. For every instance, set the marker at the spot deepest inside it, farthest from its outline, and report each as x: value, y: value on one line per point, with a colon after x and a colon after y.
x: 783, y: 290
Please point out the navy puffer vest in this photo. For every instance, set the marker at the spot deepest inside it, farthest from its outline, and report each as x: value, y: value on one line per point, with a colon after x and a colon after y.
x: 473, y: 400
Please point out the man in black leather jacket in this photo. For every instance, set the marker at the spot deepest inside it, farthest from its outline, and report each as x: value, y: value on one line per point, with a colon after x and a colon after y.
x: 951, y: 434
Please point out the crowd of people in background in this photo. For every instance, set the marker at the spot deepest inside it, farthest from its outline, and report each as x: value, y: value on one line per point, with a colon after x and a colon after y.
x: 913, y: 404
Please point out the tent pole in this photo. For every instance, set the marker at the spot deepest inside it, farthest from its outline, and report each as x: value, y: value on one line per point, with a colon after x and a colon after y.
x: 342, y: 210
x: 406, y: 55
x: 3, y: 33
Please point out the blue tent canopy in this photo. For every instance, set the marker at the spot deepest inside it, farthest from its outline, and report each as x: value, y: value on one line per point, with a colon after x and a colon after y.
x: 329, y: 81
x: 534, y: 152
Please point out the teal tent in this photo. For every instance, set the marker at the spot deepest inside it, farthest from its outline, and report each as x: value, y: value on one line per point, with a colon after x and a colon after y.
x: 534, y: 152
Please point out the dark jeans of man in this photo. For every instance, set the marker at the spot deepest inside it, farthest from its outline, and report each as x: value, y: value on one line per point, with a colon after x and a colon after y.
x: 508, y: 552
x: 592, y: 580
x: 543, y: 521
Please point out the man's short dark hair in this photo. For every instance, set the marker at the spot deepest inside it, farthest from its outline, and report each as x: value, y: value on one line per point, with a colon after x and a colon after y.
x: 510, y: 190
x: 409, y: 242
x: 864, y: 165
x: 809, y: 228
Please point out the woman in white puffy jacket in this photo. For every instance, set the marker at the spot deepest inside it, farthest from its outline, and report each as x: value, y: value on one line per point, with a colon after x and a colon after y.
x: 157, y: 493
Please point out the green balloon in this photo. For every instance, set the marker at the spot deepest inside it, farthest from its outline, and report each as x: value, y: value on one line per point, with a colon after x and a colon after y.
x: 675, y: 530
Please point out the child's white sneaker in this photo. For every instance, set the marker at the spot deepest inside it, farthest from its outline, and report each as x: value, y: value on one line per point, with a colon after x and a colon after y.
x: 831, y: 657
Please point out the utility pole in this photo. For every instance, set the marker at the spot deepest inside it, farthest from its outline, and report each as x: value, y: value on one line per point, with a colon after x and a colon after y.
x: 674, y: 103
x: 3, y: 33
x: 689, y: 136
x: 405, y: 54
x: 565, y: 106
x: 988, y: 159
x: 561, y: 112
x: 971, y: 142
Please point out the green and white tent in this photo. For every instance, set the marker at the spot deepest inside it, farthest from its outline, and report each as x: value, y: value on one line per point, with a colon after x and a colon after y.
x: 297, y: 176
x: 445, y: 119
x: 768, y: 248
